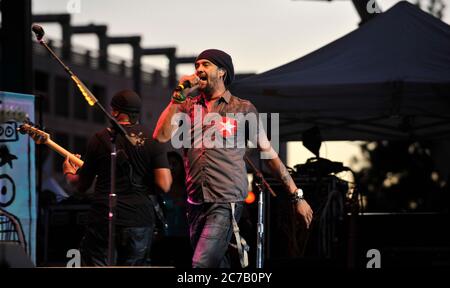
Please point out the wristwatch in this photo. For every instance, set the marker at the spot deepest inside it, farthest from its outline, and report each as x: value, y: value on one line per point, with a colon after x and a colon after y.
x: 297, y: 196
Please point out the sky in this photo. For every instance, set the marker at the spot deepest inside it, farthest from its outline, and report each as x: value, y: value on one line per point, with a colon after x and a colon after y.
x: 258, y: 34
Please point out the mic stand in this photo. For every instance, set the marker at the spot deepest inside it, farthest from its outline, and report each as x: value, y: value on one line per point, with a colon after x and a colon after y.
x: 117, y: 129
x: 91, y: 99
x: 262, y: 185
x: 112, y: 201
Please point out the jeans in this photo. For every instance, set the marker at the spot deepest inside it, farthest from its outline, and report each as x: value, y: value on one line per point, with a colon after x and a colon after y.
x: 211, y: 229
x: 132, y: 245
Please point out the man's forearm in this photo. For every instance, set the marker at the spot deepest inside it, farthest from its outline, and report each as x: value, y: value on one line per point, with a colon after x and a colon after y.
x: 72, y: 179
x: 164, y: 127
x: 301, y: 206
x: 279, y: 170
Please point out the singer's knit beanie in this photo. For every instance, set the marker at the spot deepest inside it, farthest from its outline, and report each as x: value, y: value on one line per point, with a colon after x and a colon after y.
x: 126, y: 101
x: 222, y: 60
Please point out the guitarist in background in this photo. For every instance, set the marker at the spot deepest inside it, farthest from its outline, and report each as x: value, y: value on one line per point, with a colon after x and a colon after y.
x: 141, y: 171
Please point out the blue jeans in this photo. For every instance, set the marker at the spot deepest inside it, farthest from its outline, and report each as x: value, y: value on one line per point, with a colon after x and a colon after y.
x: 211, y: 229
x: 132, y: 245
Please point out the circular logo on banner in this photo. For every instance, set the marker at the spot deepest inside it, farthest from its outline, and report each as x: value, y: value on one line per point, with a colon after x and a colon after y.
x: 9, y: 131
x: 7, y: 190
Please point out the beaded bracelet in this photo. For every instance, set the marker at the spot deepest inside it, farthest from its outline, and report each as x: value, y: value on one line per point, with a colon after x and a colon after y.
x: 178, y: 97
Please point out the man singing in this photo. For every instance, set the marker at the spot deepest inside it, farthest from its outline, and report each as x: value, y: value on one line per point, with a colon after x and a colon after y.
x: 216, y: 175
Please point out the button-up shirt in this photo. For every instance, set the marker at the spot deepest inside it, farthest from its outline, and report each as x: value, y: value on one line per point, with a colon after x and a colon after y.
x: 216, y: 174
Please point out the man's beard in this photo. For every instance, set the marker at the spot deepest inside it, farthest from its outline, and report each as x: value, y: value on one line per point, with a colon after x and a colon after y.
x: 208, y: 90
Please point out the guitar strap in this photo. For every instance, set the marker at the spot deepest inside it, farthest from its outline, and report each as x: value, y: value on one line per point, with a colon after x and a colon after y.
x: 124, y: 163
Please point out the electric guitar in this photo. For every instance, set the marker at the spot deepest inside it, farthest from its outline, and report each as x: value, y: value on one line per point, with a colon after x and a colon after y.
x: 41, y: 137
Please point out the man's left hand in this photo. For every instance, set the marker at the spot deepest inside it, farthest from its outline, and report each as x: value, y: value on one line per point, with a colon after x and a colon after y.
x: 304, y: 210
x: 69, y: 167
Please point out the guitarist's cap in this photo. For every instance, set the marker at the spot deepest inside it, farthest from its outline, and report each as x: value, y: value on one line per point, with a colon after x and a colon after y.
x: 126, y: 101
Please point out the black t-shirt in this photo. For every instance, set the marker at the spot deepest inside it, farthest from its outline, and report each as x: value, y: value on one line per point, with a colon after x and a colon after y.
x: 134, y: 176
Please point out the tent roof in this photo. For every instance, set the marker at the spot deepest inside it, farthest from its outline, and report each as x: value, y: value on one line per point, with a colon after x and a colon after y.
x: 389, y: 79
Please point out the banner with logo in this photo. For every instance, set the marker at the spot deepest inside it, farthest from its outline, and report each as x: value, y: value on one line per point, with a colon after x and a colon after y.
x: 17, y: 173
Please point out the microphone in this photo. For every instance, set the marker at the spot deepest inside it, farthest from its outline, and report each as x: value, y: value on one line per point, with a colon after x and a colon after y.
x: 184, y: 85
x: 38, y: 30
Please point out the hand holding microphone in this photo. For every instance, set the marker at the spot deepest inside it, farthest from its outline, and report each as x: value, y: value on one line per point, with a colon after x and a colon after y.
x: 187, y: 81
x: 186, y: 86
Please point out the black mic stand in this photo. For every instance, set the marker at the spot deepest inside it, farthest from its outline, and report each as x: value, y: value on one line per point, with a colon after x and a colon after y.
x: 116, y: 129
x: 112, y: 201
x: 262, y: 185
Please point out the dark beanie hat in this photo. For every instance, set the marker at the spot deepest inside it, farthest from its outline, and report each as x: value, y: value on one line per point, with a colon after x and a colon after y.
x: 126, y: 101
x: 222, y: 60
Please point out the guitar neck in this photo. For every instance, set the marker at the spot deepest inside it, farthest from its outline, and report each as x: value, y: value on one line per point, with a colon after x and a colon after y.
x: 63, y: 152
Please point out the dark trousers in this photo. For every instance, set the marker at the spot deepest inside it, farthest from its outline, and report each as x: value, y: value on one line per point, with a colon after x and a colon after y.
x: 132, y: 245
x: 211, y: 229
